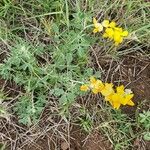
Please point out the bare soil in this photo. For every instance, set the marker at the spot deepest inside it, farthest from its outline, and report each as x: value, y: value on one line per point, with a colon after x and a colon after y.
x: 77, y: 141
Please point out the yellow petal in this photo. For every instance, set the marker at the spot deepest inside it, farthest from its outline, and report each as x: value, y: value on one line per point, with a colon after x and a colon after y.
x: 112, y: 24
x: 119, y: 29
x: 108, y: 89
x: 94, y: 21
x: 120, y: 89
x: 116, y: 100
x: 110, y: 32
x: 92, y: 80
x: 127, y: 99
x: 123, y: 101
x: 130, y: 103
x: 105, y: 35
x: 95, y: 30
x: 99, y: 85
x: 84, y: 88
x: 96, y: 25
x: 100, y: 27
x: 95, y: 91
x: 117, y: 36
x: 116, y: 105
x: 125, y: 33
x: 116, y: 97
x: 118, y: 40
x: 129, y: 96
x: 105, y: 23
x: 109, y: 98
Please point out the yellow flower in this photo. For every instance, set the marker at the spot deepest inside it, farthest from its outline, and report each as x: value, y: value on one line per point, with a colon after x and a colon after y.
x: 128, y: 97
x: 120, y: 90
x: 109, y: 98
x: 105, y: 23
x: 98, y: 26
x: 117, y: 37
x: 116, y: 98
x: 112, y: 24
x: 128, y: 100
x: 92, y: 80
x: 112, y: 31
x: 121, y: 97
x: 96, y: 85
x: 84, y: 88
x: 119, y: 29
x: 109, y: 32
x: 125, y: 33
x: 107, y: 90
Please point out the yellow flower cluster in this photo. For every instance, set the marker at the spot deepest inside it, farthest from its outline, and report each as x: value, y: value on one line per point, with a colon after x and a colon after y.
x: 116, y: 97
x: 112, y: 31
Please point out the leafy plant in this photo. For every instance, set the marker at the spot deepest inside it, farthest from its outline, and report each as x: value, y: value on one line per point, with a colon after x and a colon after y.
x: 61, y: 76
x: 29, y: 107
x: 144, y: 120
x: 85, y: 120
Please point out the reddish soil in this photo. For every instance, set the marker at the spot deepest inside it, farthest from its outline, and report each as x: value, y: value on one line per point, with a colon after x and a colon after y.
x: 78, y: 141
x: 94, y: 141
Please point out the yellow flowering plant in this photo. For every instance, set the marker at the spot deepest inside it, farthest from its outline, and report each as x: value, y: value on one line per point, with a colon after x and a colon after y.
x: 115, y: 96
x: 98, y: 27
x: 94, y: 85
x: 121, y: 97
x: 112, y: 31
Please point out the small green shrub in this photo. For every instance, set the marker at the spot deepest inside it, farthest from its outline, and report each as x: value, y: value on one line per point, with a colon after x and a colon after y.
x: 61, y: 76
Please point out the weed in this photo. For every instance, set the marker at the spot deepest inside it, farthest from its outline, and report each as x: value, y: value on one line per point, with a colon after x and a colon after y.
x: 85, y: 120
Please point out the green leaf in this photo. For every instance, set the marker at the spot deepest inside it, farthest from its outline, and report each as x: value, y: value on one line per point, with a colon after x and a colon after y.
x: 69, y: 58
x: 97, y: 74
x: 147, y: 136
x: 70, y: 97
x: 63, y: 99
x: 55, y: 28
x: 58, y: 92
x: 89, y: 72
x: 81, y: 52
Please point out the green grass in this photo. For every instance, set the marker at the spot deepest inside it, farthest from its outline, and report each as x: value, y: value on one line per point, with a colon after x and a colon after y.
x: 48, y: 46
